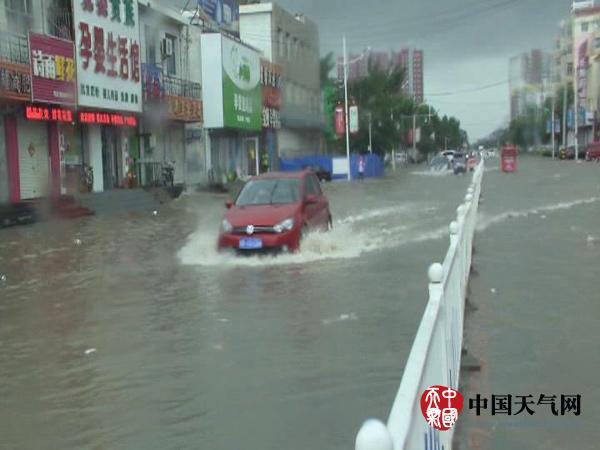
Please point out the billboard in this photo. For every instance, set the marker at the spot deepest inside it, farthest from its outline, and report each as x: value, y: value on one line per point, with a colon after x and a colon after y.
x: 221, y: 15
x: 108, y: 54
x: 52, y: 70
x: 232, y: 95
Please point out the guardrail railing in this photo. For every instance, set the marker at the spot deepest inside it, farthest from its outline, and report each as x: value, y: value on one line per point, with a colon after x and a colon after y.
x: 435, y: 355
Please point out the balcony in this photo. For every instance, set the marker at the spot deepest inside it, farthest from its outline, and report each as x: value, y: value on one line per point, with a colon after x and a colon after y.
x: 14, y: 48
x: 177, y: 87
x: 171, y: 97
x: 60, y: 23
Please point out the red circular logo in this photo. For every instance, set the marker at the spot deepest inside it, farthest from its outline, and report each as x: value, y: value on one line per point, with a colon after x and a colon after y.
x: 441, y: 406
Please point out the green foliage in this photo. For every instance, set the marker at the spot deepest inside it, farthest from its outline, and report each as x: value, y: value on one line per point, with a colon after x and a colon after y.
x: 380, y: 100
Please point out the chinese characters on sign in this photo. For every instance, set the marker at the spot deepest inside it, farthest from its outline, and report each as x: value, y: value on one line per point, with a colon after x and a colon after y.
x: 270, y: 79
x: 441, y: 406
x: 47, y: 114
x: 15, y: 82
x: 108, y: 54
x: 53, y: 69
x: 185, y: 109
x: 101, y: 118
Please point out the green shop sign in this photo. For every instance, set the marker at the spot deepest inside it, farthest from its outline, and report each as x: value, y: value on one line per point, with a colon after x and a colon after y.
x: 242, y: 95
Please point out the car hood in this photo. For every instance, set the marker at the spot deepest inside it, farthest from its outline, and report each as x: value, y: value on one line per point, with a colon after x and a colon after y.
x: 261, y: 215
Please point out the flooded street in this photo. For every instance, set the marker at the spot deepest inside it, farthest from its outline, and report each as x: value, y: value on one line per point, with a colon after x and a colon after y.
x: 142, y: 336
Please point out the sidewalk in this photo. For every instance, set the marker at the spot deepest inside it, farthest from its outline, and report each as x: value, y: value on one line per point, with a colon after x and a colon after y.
x: 536, y: 331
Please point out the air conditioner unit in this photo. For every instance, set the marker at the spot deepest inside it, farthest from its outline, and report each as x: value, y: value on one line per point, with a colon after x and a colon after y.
x: 166, y: 47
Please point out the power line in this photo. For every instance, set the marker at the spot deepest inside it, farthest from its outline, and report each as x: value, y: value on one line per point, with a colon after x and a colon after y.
x: 464, y: 91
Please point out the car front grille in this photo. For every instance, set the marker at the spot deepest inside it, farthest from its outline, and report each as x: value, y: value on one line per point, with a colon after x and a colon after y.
x: 257, y: 230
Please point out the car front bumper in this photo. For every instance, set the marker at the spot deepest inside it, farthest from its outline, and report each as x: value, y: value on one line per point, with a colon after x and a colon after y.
x: 288, y: 241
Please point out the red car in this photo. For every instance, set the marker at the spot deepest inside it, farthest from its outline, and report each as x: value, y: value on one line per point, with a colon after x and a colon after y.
x: 592, y: 153
x: 272, y: 213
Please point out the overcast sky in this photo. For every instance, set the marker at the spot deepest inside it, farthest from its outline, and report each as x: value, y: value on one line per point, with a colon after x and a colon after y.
x: 467, y: 44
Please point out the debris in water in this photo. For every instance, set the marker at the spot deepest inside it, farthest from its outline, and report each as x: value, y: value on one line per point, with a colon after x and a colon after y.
x: 155, y: 213
x: 77, y: 241
x: 2, y: 278
x: 590, y: 239
x: 543, y: 216
x: 340, y: 318
x: 89, y: 351
x: 493, y: 290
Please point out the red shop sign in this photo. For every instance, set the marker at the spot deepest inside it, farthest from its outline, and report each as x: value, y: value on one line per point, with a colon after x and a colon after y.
x: 103, y: 118
x: 52, y: 69
x: 48, y: 114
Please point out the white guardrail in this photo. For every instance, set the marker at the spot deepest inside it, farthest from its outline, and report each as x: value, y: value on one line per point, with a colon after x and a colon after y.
x: 435, y: 355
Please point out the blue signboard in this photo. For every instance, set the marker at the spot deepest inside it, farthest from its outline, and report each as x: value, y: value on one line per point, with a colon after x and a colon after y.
x: 221, y: 15
x: 556, y: 126
x: 570, y: 119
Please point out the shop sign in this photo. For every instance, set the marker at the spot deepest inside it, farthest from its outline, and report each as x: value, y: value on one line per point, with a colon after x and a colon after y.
x: 53, y: 70
x: 108, y: 54
x: 103, y: 118
x: 270, y: 79
x: 232, y: 96
x: 220, y: 15
x: 184, y: 109
x: 48, y: 114
x: 271, y: 118
x: 15, y: 82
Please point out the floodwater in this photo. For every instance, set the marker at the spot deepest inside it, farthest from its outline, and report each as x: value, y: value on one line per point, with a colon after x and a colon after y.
x: 131, y: 332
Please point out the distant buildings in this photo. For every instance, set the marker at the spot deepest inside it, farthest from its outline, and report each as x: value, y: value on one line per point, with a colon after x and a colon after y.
x: 411, y: 60
x: 529, y: 81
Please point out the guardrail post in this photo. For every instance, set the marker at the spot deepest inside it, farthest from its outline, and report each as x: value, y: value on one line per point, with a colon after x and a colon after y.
x: 374, y: 435
x: 453, y: 232
x: 435, y: 273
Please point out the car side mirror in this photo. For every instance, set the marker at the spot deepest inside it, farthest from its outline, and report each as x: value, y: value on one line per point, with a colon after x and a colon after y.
x: 311, y: 199
x: 228, y: 204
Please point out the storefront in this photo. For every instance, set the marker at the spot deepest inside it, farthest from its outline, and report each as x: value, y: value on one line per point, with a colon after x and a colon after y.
x: 170, y: 105
x: 109, y: 91
x: 232, y: 107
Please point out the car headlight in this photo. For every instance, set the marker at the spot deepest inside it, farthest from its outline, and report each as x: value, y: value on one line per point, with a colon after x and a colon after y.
x: 226, y: 226
x: 286, y: 225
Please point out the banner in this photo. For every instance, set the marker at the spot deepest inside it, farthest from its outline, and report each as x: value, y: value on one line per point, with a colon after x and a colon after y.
x: 353, y: 119
x: 108, y: 54
x: 52, y: 69
x: 15, y: 82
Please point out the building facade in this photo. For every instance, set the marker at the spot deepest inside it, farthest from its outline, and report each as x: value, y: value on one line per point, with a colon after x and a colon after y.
x: 292, y: 43
x: 100, y: 85
x: 411, y: 61
x: 530, y: 81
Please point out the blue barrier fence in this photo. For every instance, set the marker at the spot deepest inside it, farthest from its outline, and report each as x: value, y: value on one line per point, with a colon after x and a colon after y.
x: 374, y: 166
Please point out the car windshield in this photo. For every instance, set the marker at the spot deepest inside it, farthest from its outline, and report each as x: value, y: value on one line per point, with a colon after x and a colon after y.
x: 269, y: 192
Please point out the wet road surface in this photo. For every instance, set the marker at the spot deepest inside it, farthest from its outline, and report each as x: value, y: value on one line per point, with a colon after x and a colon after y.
x: 537, y: 289
x: 142, y: 337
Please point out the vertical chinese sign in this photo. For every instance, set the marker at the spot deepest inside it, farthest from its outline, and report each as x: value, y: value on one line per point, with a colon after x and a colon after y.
x: 270, y: 78
x: 53, y: 70
x: 108, y: 54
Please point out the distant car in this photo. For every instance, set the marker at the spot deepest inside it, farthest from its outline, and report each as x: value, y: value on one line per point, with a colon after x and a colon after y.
x: 273, y: 212
x: 459, y: 163
x: 321, y: 173
x: 567, y: 152
x: 439, y: 163
x: 449, y: 154
x: 592, y: 152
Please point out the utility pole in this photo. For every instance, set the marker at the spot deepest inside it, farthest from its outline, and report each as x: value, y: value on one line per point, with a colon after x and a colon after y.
x: 346, y: 105
x: 414, y: 136
x: 370, y: 137
x: 553, y: 132
x: 564, y: 124
x: 576, y: 107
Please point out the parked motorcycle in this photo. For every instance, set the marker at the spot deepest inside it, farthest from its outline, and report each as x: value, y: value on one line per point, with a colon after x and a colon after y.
x: 168, y: 173
x: 87, y: 178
